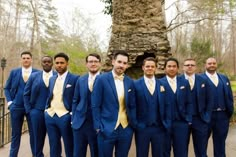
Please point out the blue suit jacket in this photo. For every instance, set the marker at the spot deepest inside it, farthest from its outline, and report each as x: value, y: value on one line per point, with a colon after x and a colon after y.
x: 34, y: 97
x: 12, y: 84
x: 105, y: 104
x: 184, y: 102
x: 204, y: 97
x: 80, y: 102
x: 142, y: 104
x: 68, y: 90
x: 228, y: 95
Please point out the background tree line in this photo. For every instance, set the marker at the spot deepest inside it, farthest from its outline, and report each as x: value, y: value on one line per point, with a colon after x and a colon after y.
x: 34, y: 25
x: 196, y: 28
x: 199, y: 29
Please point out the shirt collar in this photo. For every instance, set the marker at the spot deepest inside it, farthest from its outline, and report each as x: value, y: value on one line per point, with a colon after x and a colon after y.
x: 146, y: 78
x: 171, y: 79
x: 211, y: 75
x: 50, y: 73
x: 63, y: 76
x: 187, y: 76
x: 91, y: 77
x: 28, y: 69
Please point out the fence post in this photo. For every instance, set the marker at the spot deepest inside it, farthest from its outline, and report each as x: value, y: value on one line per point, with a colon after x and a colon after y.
x: 2, y: 113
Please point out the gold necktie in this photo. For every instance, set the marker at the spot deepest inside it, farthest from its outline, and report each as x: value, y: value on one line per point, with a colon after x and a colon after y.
x: 26, y: 76
x: 173, y: 85
x: 46, y: 79
x: 215, y: 80
x: 191, y: 83
x: 121, y: 77
x: 91, y: 81
x: 151, y: 86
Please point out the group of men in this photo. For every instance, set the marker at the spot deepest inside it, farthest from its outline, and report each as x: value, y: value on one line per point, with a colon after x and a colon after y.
x: 103, y: 110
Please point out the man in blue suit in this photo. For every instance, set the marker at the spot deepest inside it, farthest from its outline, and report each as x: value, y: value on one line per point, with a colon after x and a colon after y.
x: 153, y: 115
x: 113, y: 108
x: 82, y: 122
x: 178, y: 96
x: 59, y: 107
x: 14, y: 90
x: 202, y: 107
x: 35, y: 96
x: 223, y: 106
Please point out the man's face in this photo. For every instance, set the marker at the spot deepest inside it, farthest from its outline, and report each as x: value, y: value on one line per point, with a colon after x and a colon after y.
x: 189, y: 67
x: 171, y: 69
x: 46, y: 63
x: 93, y: 64
x: 149, y: 69
x: 211, y: 65
x: 26, y: 60
x: 120, y: 64
x: 61, y: 65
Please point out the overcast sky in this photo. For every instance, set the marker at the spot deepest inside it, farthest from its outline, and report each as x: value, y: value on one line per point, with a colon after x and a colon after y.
x: 89, y: 8
x: 94, y: 10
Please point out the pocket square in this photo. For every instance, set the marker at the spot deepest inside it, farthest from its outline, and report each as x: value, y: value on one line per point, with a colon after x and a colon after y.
x: 129, y: 90
x: 203, y: 85
x: 182, y: 87
x: 68, y: 85
x: 162, y: 89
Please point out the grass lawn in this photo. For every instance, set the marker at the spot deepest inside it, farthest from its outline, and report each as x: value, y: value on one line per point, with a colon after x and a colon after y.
x: 233, y: 85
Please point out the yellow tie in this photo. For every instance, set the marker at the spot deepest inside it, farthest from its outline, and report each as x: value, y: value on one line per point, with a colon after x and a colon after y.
x: 91, y: 81
x: 121, y: 77
x: 173, y: 85
x: 46, y: 79
x: 26, y: 76
x: 151, y: 86
x: 191, y: 83
x: 215, y: 80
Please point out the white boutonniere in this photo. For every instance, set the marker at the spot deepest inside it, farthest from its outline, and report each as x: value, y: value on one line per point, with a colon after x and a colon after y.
x: 129, y: 90
x: 162, y: 89
x: 227, y: 83
x: 68, y: 85
x: 182, y: 87
x: 203, y: 85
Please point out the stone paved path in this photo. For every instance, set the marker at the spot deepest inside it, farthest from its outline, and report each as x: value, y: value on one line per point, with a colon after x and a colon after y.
x: 25, y: 151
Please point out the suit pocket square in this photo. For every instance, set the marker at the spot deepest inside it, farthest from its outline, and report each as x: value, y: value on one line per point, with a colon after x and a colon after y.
x: 203, y: 85
x: 162, y: 89
x: 129, y: 90
x: 68, y: 85
x: 182, y: 87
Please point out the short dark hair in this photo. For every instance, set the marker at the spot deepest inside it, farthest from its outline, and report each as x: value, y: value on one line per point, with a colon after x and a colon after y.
x: 171, y: 59
x: 26, y: 53
x: 94, y: 55
x: 149, y: 59
x: 120, y: 52
x: 47, y: 57
x: 63, y: 55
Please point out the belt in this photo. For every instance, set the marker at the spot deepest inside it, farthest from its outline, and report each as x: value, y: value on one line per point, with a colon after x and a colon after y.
x: 218, y: 109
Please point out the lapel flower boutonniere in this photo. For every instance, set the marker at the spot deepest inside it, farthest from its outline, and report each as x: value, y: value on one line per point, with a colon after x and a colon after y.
x: 162, y: 89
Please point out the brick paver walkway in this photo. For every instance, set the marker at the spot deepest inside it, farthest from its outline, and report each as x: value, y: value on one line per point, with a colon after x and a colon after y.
x: 25, y: 150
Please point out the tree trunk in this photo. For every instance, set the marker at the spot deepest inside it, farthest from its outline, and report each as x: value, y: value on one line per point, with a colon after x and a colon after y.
x: 138, y: 26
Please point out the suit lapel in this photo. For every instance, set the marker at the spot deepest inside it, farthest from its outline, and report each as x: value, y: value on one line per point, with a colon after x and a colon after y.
x: 66, y: 81
x: 111, y: 81
x: 85, y: 86
x: 126, y: 90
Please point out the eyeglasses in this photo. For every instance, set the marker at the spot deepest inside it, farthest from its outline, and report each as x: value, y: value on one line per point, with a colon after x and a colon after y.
x: 188, y: 65
x: 93, y: 62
